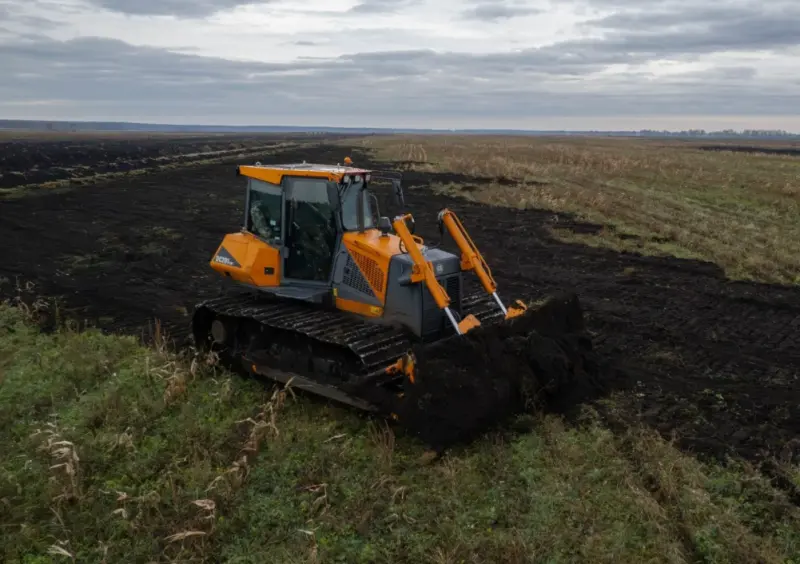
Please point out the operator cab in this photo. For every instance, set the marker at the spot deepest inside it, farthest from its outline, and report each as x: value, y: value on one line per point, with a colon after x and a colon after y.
x: 304, y: 213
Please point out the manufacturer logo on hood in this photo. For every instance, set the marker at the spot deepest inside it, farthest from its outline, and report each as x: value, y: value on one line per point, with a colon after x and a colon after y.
x: 224, y: 257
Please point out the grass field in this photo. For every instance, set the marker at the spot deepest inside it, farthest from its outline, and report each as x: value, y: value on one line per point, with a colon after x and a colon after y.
x: 739, y: 210
x: 117, y: 452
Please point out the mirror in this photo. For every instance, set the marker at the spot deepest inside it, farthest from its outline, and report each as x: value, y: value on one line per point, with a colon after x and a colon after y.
x: 375, y: 208
x: 397, y: 189
x: 333, y: 196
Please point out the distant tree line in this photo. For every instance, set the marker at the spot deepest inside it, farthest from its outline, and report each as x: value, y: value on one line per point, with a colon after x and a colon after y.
x: 748, y: 133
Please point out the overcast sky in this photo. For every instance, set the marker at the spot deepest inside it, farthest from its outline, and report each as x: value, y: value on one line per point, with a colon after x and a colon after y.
x: 572, y: 64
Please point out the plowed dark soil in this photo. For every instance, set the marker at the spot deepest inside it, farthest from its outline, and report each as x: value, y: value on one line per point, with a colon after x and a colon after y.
x: 712, y: 361
x: 790, y: 151
x: 30, y: 161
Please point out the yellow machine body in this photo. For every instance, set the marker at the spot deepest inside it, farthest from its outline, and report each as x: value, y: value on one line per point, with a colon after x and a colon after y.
x: 346, y: 293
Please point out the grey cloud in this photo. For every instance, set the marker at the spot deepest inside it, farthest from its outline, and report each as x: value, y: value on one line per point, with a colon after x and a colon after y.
x: 730, y: 73
x: 101, y: 78
x: 180, y: 8
x: 621, y: 44
x: 15, y: 15
x: 676, y: 15
x: 381, y: 6
x: 645, y: 4
x: 494, y: 12
x: 389, y: 56
x: 683, y: 27
x: 759, y: 31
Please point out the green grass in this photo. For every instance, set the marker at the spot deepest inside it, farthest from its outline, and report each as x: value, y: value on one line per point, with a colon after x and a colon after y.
x: 119, y: 453
x: 741, y: 211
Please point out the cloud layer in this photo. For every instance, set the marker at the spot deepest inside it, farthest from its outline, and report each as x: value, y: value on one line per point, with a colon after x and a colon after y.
x: 403, y: 62
x: 180, y: 8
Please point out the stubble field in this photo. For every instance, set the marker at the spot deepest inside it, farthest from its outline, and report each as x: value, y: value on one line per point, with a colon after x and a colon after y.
x: 685, y: 261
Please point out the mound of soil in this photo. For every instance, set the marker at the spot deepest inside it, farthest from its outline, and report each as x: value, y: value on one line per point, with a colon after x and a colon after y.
x: 539, y: 361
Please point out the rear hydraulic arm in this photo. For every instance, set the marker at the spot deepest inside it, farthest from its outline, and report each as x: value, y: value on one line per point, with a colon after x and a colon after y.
x: 471, y: 258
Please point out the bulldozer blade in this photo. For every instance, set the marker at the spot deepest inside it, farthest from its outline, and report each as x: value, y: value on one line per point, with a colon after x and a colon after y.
x: 467, y: 384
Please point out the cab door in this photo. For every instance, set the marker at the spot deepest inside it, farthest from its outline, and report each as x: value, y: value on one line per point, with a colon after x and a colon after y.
x: 311, y: 229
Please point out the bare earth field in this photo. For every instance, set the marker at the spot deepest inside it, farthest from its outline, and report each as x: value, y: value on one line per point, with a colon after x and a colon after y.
x: 34, y: 158
x: 685, y: 260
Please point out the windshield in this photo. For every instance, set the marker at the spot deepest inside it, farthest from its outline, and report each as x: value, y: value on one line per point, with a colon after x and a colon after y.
x: 350, y: 208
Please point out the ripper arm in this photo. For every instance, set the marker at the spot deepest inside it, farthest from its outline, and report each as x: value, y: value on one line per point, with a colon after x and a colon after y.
x: 471, y: 259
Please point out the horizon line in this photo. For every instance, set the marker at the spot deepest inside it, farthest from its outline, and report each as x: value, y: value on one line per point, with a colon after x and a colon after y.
x: 304, y: 128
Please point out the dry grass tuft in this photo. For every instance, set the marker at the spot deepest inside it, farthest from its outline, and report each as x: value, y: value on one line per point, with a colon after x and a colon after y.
x: 66, y: 463
x: 264, y: 424
x: 59, y: 550
x: 382, y: 436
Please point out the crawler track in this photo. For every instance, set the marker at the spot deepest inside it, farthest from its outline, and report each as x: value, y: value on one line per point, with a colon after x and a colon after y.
x: 356, y: 346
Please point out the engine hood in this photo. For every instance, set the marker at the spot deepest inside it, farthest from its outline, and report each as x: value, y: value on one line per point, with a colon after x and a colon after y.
x: 443, y: 263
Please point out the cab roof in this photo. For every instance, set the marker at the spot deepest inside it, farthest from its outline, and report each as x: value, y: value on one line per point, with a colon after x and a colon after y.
x: 336, y: 169
x: 274, y: 172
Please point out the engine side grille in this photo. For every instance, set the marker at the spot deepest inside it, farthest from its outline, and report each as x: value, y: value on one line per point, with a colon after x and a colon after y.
x: 371, y: 270
x: 354, y: 278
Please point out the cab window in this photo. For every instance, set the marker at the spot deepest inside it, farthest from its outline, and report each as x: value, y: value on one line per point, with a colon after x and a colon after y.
x: 264, y: 210
x: 350, y: 208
